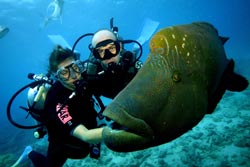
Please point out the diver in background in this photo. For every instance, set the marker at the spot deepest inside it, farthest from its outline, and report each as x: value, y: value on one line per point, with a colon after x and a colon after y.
x: 3, y: 31
x: 70, y: 117
x: 54, y: 11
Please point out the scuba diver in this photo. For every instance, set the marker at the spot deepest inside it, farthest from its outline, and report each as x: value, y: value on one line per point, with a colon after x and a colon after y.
x: 3, y: 31
x: 54, y: 11
x: 69, y: 113
x: 110, y: 67
x: 110, y: 64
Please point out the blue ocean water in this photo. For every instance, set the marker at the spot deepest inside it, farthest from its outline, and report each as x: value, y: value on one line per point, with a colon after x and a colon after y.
x: 26, y: 47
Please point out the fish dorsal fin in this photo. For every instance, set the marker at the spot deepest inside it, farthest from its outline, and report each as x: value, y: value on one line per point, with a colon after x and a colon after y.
x: 224, y: 39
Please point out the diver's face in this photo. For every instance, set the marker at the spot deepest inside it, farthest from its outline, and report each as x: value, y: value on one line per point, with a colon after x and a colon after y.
x: 112, y: 57
x: 68, y: 72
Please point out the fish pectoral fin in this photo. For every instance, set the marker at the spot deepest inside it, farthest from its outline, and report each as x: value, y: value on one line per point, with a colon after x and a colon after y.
x: 233, y: 81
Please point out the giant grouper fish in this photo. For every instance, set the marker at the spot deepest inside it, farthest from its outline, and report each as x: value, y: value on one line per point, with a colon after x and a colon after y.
x: 184, y: 77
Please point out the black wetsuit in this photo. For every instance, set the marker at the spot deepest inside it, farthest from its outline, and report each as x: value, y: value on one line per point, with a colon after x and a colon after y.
x: 62, y: 145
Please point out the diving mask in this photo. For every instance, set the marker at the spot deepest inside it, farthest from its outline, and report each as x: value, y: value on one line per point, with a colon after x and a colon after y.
x: 106, y: 49
x: 64, y: 73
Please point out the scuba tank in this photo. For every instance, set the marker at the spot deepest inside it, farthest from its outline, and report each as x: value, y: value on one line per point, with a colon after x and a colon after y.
x: 35, y: 101
x: 36, y: 96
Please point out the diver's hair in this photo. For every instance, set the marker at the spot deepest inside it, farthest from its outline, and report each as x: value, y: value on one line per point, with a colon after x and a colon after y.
x: 58, y: 55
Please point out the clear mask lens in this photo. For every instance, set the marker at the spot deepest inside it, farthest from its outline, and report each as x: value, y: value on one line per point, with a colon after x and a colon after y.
x: 64, y: 73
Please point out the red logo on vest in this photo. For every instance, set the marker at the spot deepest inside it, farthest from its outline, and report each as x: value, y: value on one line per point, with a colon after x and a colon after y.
x: 63, y: 114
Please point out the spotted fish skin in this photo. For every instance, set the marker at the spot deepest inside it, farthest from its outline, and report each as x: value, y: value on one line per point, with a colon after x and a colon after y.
x: 182, y: 79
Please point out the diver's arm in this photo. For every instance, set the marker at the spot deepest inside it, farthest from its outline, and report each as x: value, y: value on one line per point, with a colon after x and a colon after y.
x: 92, y: 136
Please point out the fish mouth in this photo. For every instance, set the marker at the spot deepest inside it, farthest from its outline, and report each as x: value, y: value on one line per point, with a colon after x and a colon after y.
x: 123, y: 121
x: 126, y: 132
x: 123, y: 139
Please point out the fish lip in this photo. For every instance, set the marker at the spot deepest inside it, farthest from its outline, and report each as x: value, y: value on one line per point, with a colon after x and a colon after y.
x: 116, y: 126
x: 145, y: 129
